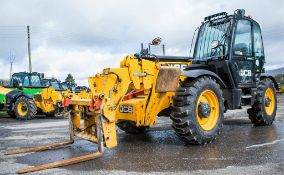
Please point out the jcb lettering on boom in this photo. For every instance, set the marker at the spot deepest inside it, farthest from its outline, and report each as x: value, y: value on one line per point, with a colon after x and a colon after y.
x: 180, y: 66
x: 126, y: 109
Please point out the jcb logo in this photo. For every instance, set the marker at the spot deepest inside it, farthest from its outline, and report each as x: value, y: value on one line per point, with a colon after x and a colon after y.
x: 246, y: 73
x: 180, y: 66
x: 126, y: 109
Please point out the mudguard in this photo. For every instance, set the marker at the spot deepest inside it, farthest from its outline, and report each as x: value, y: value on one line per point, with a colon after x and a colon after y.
x: 262, y: 76
x: 196, y: 73
x: 12, y: 96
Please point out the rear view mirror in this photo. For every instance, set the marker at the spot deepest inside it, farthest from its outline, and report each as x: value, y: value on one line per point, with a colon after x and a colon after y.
x: 157, y: 41
x: 215, y: 44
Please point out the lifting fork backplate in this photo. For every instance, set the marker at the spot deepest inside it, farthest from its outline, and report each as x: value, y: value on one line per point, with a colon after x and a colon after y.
x: 65, y: 162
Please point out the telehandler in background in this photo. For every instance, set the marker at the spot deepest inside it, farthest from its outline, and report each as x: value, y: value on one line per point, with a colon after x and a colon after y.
x: 52, y: 82
x: 225, y: 72
x: 29, y: 95
x: 281, y: 87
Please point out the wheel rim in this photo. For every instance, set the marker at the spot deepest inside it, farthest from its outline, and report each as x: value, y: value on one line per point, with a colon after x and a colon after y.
x: 208, y: 122
x: 269, y: 101
x: 22, y: 108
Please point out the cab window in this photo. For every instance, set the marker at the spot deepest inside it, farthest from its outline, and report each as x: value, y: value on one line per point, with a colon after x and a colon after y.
x: 35, y: 81
x: 26, y: 81
x: 258, y: 46
x: 243, y: 38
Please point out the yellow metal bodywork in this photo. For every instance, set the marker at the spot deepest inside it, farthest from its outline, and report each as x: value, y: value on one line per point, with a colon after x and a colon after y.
x: 47, y: 99
x: 4, y: 90
x: 282, y: 88
x: 108, y: 90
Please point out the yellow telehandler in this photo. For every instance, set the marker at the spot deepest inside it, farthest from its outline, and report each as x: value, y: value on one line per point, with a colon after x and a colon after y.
x: 28, y: 95
x: 226, y: 72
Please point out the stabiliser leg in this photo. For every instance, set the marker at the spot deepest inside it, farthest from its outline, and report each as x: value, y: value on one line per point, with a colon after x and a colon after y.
x: 65, y: 162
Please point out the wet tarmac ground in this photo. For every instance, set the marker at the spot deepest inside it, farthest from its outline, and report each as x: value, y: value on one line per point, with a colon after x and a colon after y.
x: 241, y: 148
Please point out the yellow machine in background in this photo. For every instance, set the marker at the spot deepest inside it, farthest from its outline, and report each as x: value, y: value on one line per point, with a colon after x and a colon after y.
x: 38, y: 96
x: 281, y: 88
x: 50, y: 101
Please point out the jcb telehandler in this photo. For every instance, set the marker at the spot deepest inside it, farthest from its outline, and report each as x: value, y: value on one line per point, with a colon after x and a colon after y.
x: 226, y: 72
x: 27, y: 95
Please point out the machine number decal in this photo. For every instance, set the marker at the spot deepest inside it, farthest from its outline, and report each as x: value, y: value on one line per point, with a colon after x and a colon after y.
x: 126, y: 109
x: 244, y: 72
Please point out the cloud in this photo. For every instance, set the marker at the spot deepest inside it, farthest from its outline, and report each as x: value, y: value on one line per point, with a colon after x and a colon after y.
x: 58, y: 63
x: 80, y: 64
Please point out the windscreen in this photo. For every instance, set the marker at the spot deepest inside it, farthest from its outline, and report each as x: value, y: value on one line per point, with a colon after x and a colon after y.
x: 26, y: 80
x: 55, y: 85
x: 64, y: 86
x: 35, y: 81
x: 45, y: 83
x: 209, y: 31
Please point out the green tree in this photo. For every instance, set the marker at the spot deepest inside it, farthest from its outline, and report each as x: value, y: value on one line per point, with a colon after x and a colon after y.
x: 70, y: 80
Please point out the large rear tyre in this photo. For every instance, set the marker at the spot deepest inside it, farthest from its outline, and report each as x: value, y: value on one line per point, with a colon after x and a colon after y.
x: 25, y: 108
x: 198, y: 111
x: 130, y: 127
x: 264, y: 109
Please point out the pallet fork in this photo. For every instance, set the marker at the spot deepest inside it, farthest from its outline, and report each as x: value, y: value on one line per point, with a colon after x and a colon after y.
x: 70, y: 161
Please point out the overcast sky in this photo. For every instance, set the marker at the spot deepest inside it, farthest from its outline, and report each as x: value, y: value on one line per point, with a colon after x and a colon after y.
x: 83, y: 36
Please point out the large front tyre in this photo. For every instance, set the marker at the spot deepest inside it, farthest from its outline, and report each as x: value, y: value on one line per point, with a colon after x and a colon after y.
x: 198, y: 111
x: 263, y: 111
x: 25, y: 108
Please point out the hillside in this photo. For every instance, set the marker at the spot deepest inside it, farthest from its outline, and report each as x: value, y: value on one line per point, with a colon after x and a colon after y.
x: 276, y: 71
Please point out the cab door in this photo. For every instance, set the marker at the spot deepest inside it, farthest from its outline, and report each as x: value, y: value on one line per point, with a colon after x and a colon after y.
x: 258, y: 49
x: 243, y: 60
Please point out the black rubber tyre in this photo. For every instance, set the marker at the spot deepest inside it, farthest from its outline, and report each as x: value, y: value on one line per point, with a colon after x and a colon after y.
x: 11, y: 114
x: 50, y: 114
x: 258, y: 114
x: 184, y: 113
x: 25, y: 108
x: 130, y: 127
